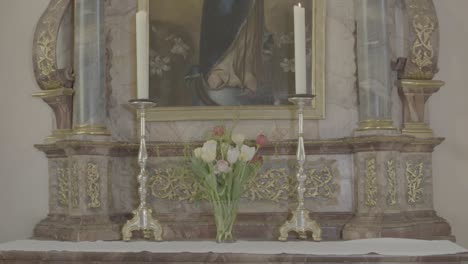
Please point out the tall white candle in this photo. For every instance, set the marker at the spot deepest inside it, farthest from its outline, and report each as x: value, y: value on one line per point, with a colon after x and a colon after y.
x: 300, y: 49
x: 142, y: 46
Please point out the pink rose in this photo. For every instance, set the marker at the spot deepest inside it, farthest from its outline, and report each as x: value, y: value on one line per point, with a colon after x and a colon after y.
x: 218, y: 131
x: 261, y: 140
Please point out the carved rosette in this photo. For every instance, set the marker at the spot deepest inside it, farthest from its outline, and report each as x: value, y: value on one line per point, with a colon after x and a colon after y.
x: 55, y: 82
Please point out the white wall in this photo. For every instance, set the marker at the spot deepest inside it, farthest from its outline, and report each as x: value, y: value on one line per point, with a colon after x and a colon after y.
x: 24, y: 121
x: 449, y: 118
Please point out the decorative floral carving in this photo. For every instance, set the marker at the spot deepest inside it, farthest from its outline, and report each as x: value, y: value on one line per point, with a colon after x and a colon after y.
x: 272, y: 185
x: 45, y: 44
x: 173, y: 184
x: 371, y: 183
x: 67, y: 186
x: 423, y: 40
x: 93, y: 189
x: 74, y: 195
x: 318, y: 185
x: 62, y: 187
x: 422, y: 49
x: 392, y: 183
x: 414, y: 177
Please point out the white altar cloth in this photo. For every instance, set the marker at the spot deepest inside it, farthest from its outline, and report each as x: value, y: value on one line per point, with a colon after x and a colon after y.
x: 381, y: 246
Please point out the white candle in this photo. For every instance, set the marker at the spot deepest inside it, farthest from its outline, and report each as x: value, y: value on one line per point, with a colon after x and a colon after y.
x: 300, y: 49
x: 142, y: 47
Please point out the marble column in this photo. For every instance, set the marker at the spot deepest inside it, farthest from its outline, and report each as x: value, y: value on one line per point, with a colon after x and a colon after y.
x: 374, y: 69
x: 89, y: 115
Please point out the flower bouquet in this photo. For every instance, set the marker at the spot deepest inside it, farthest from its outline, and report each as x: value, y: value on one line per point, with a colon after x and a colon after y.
x: 222, y: 167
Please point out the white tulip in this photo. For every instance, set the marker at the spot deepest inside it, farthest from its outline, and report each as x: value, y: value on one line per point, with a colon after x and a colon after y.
x: 232, y: 155
x: 197, y: 152
x: 208, y: 152
x: 238, y: 139
x: 246, y: 153
x: 210, y: 145
x: 208, y: 156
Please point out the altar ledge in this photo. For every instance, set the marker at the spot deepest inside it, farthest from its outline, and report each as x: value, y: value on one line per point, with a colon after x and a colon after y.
x: 381, y: 246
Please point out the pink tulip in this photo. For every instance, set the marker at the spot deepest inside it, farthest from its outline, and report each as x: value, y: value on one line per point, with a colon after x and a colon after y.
x: 218, y: 131
x: 261, y: 140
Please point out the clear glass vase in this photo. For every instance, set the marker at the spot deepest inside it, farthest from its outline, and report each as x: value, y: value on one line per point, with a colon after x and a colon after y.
x: 225, y: 213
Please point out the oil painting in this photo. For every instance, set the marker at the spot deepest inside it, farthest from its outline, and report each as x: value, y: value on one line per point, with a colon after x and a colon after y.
x: 224, y: 52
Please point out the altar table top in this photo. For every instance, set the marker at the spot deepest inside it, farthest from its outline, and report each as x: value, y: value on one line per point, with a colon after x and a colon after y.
x: 241, y: 251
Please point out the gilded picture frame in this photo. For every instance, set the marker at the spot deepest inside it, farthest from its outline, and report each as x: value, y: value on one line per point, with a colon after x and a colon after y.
x: 262, y: 112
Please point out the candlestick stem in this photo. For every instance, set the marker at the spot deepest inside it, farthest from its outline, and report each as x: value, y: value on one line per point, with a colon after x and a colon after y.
x: 300, y: 221
x: 142, y: 219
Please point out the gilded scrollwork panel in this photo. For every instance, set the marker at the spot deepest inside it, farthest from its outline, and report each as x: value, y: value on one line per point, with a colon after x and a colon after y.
x: 93, y: 189
x: 63, y: 197
x: 67, y: 186
x: 415, y: 179
x: 423, y: 40
x: 274, y: 184
x: 173, y: 184
x: 392, y: 183
x: 74, y: 190
x: 371, y: 183
x: 45, y: 44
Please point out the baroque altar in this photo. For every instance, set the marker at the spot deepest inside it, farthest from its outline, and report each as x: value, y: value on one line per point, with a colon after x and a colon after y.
x: 369, y: 148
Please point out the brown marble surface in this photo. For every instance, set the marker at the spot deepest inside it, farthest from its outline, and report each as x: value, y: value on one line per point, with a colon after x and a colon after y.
x: 15, y: 257
x: 345, y: 145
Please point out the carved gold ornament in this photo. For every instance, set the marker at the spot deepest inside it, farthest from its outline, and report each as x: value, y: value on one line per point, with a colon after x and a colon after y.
x: 45, y: 45
x: 74, y: 191
x: 62, y: 187
x: 392, y: 183
x: 414, y: 177
x: 275, y: 185
x: 174, y: 184
x: 93, y: 189
x: 423, y: 40
x: 422, y: 49
x: 271, y: 185
x: 67, y: 186
x: 371, y: 183
x: 318, y: 185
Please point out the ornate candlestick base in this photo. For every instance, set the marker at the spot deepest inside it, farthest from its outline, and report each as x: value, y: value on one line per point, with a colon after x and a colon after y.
x: 142, y: 219
x: 300, y: 221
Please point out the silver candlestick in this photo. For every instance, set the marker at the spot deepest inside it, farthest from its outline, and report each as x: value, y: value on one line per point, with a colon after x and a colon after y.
x: 300, y: 221
x: 142, y: 219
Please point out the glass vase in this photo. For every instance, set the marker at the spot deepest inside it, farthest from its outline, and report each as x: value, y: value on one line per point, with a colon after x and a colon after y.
x: 225, y: 213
